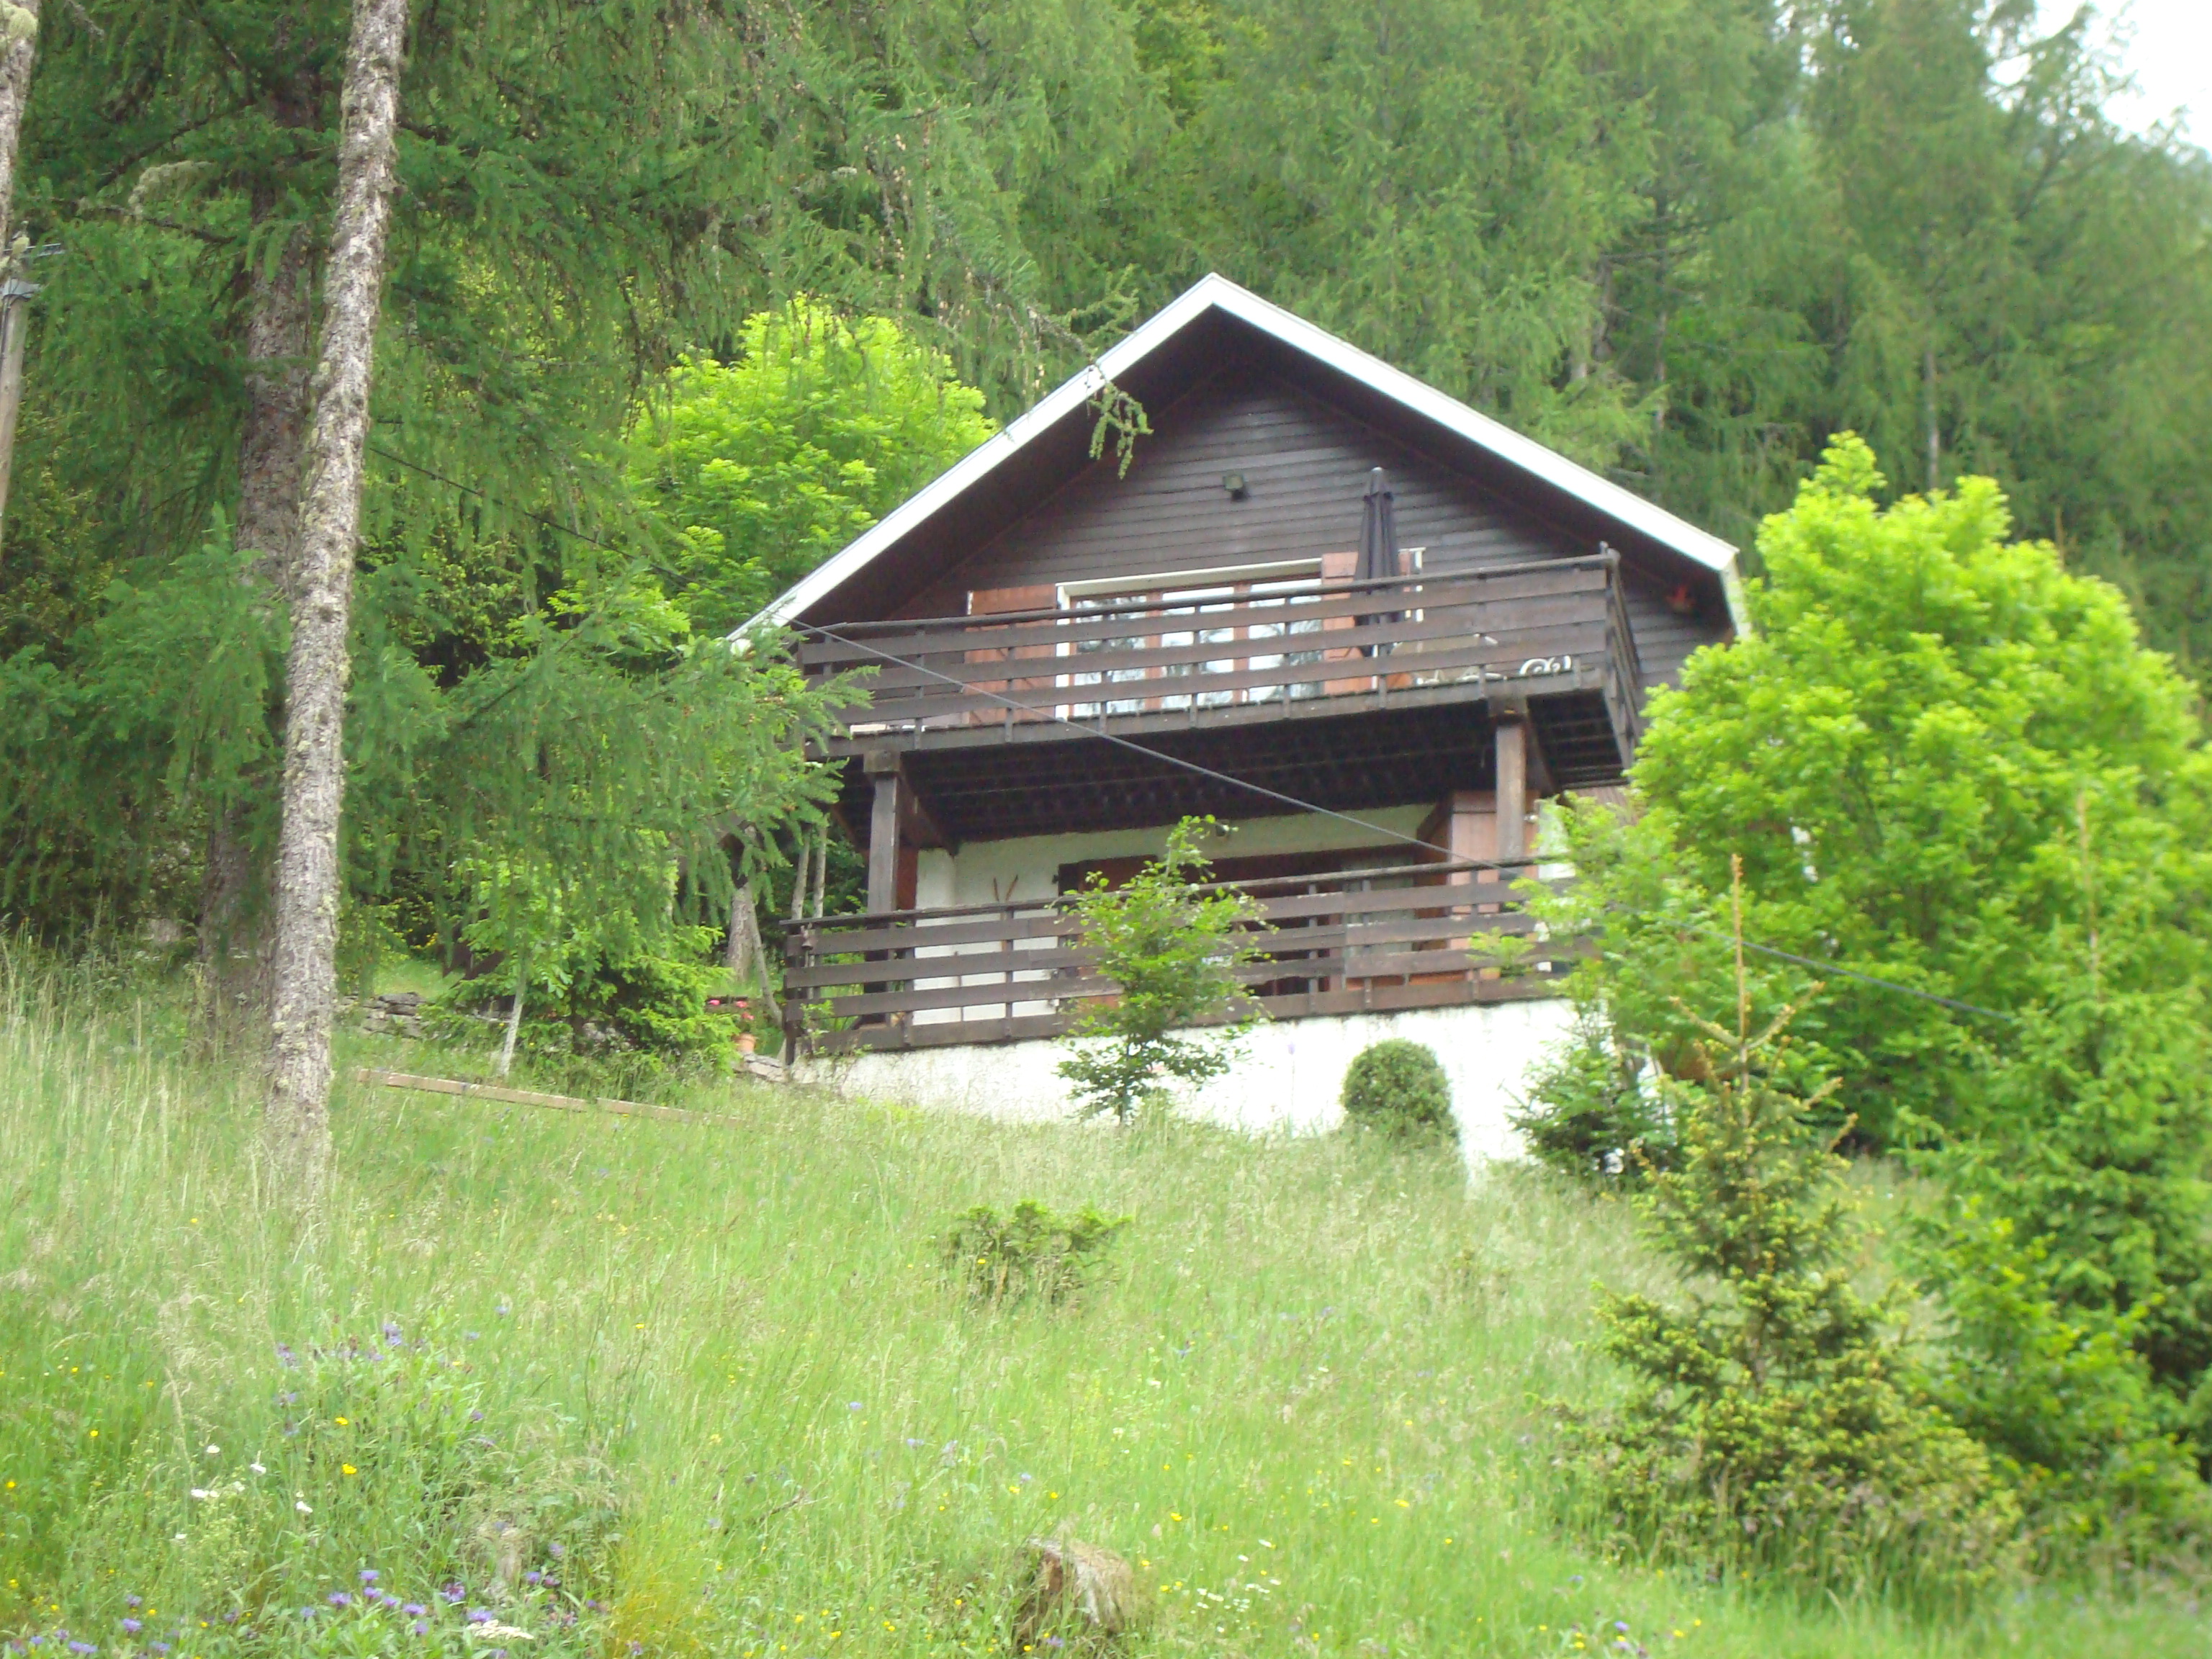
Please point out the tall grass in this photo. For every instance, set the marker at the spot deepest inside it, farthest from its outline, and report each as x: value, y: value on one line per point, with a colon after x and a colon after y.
x: 710, y: 1378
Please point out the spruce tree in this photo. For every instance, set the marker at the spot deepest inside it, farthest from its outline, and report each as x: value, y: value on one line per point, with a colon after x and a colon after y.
x: 1770, y: 1424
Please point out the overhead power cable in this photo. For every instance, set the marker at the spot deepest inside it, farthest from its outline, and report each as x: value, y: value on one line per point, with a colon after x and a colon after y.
x: 1819, y: 966
x: 1052, y: 713
x: 491, y: 500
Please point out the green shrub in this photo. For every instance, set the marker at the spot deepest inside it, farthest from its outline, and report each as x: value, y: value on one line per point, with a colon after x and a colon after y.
x: 1032, y: 1254
x: 614, y: 1017
x: 1590, y: 1114
x: 2070, y: 1411
x: 1399, y: 1087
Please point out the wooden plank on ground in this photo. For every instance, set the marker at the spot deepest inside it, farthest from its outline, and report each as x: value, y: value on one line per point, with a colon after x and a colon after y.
x: 447, y: 1085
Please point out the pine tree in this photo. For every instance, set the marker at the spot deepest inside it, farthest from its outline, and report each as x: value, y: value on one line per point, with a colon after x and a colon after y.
x: 1770, y: 1424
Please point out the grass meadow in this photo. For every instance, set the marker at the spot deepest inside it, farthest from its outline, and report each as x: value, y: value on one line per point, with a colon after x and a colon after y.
x: 537, y: 1383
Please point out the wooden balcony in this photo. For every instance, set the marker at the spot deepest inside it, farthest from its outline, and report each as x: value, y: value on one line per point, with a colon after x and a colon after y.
x: 1425, y: 935
x: 1550, y: 641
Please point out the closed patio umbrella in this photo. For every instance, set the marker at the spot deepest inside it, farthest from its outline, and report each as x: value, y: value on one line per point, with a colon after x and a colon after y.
x: 1379, y: 542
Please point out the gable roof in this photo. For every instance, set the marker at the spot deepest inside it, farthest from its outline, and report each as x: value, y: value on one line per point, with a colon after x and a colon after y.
x: 1213, y: 298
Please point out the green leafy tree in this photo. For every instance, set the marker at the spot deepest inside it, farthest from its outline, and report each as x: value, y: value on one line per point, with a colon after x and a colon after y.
x: 1952, y: 766
x: 1770, y: 1424
x: 1939, y: 749
x: 1172, y: 948
x: 765, y: 465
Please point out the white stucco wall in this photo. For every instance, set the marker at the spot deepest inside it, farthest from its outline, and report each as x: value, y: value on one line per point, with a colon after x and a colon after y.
x: 1290, y: 1079
x: 1027, y: 868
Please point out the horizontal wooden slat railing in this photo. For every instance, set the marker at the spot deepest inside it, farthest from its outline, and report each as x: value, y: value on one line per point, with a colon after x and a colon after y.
x: 1554, y: 626
x: 1430, y: 934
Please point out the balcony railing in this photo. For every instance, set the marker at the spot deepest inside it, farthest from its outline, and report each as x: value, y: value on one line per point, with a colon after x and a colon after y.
x: 1191, y: 658
x: 1410, y: 936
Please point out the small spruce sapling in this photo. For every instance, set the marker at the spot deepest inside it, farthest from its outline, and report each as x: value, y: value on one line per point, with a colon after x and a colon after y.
x: 1174, y: 946
x: 1769, y: 1426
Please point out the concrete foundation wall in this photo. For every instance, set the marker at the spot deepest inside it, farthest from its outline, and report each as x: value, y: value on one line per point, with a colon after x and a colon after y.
x: 1290, y: 1079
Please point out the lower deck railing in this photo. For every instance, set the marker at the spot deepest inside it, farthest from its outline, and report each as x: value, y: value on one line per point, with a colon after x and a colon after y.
x: 1411, y: 936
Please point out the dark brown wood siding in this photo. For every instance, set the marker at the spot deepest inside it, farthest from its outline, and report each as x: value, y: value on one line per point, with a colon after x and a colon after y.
x: 1305, y: 466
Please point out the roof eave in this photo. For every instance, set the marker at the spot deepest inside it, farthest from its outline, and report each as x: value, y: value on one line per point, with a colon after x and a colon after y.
x: 1211, y: 292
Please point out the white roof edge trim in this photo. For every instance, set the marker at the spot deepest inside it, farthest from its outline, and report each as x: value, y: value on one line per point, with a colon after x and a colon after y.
x: 1215, y: 291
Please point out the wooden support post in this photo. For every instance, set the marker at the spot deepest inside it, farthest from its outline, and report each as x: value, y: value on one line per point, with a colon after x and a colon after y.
x: 1512, y: 788
x: 882, y: 765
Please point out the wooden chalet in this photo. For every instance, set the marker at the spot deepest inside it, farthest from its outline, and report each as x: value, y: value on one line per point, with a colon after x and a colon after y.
x: 1069, y: 659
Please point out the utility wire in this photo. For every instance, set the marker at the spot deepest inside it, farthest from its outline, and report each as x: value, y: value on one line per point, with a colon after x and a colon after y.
x: 491, y: 500
x: 1816, y: 963
x: 1345, y: 817
x: 1819, y: 966
x: 1055, y: 715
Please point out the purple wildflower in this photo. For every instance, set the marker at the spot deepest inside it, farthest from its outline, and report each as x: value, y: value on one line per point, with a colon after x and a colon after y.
x: 230, y: 1617
x: 131, y: 1626
x: 370, y: 1575
x: 284, y: 1354
x: 82, y: 1647
x: 422, y: 1627
x: 392, y: 1332
x: 158, y: 1647
x: 479, y: 1615
x: 533, y: 1577
x: 414, y: 1609
x: 476, y: 1417
x: 134, y: 1601
x: 852, y: 1405
x: 455, y: 1593
x: 339, y: 1599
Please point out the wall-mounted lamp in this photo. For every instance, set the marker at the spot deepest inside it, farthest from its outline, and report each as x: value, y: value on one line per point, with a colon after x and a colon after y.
x: 1234, y: 483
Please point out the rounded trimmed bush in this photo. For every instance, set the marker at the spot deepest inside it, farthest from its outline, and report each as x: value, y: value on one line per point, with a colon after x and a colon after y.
x: 1399, y: 1086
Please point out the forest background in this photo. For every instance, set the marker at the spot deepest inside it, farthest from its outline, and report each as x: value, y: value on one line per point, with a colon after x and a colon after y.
x: 681, y: 295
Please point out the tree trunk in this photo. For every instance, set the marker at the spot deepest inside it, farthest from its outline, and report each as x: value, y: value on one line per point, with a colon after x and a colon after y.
x: 742, y: 954
x: 1935, y: 433
x: 19, y: 28
x: 513, y: 1030
x: 19, y: 50
x: 234, y: 921
x: 297, y: 1112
